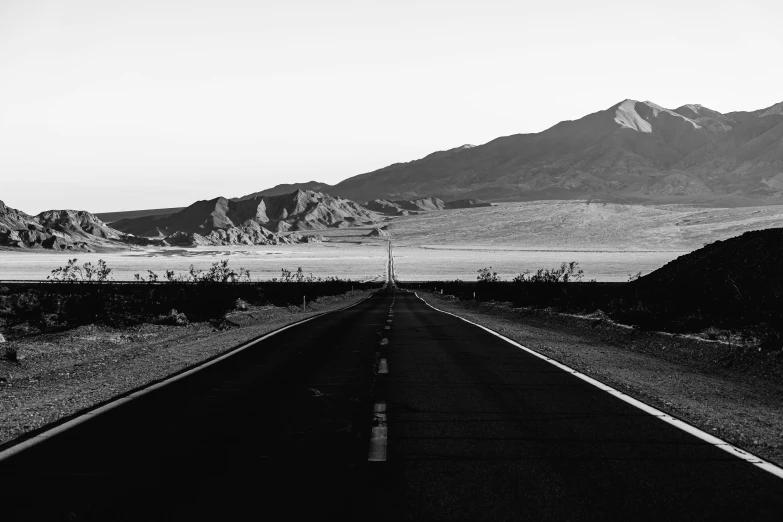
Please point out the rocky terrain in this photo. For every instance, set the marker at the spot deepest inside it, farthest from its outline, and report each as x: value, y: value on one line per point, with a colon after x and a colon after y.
x: 631, y: 152
x: 54, y: 229
x: 258, y: 220
x: 77, y: 230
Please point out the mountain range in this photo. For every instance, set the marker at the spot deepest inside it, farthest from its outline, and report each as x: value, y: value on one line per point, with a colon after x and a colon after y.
x: 634, y: 151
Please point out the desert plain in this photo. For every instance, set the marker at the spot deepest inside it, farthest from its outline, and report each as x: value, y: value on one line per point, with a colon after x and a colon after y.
x: 610, y: 241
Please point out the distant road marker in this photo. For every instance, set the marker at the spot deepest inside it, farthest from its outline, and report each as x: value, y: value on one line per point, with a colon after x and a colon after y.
x: 383, y: 366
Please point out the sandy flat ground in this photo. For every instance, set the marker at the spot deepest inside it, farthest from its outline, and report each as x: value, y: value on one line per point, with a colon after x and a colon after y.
x: 442, y: 263
x: 583, y: 225
x: 346, y: 260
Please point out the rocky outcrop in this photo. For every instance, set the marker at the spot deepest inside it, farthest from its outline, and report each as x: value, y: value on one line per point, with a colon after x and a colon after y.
x: 250, y: 235
x: 250, y: 221
x: 54, y: 229
x: 77, y: 223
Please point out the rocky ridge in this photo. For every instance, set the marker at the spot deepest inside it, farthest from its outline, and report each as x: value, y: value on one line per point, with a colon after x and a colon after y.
x: 54, y: 229
x: 258, y: 220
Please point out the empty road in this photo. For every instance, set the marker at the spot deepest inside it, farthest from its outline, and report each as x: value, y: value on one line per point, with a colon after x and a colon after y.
x: 476, y: 429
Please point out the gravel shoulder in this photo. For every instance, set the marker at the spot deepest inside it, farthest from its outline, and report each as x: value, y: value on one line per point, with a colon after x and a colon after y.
x: 732, y: 392
x: 60, y: 374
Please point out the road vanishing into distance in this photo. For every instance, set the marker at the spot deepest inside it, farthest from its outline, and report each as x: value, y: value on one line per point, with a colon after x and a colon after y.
x: 385, y: 410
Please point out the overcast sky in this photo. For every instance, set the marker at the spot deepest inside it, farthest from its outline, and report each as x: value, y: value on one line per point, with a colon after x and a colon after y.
x: 115, y: 105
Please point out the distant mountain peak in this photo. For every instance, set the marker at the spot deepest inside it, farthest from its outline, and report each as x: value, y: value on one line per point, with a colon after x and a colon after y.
x: 638, y: 116
x: 626, y: 116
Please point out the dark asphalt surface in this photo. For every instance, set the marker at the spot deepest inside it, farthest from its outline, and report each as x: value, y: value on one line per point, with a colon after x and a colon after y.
x: 478, y: 429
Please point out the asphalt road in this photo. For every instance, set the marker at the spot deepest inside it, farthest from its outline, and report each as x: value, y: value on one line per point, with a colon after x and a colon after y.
x: 477, y: 429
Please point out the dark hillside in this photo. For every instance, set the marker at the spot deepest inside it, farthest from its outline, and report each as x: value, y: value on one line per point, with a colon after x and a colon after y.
x: 733, y: 282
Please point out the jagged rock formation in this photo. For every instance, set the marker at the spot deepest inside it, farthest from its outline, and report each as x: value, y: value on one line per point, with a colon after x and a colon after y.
x: 250, y: 235
x: 259, y: 220
x: 633, y: 151
x: 54, y: 229
x: 77, y: 223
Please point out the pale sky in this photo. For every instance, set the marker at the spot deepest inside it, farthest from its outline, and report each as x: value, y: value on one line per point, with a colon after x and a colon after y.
x: 112, y: 105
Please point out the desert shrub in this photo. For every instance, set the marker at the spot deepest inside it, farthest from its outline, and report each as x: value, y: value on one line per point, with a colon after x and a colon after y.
x: 486, y: 275
x: 289, y: 276
x: 88, y: 272
x: 568, y: 272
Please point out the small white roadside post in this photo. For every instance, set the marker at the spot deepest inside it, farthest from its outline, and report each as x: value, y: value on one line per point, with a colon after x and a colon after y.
x: 304, y: 303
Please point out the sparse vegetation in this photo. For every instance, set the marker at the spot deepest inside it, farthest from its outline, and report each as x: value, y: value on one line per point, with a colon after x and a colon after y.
x: 568, y: 272
x: 90, y: 297
x: 486, y: 275
x: 288, y: 276
x: 72, y: 272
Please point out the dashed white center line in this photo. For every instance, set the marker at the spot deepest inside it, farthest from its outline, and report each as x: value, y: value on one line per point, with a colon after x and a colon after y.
x: 378, y: 439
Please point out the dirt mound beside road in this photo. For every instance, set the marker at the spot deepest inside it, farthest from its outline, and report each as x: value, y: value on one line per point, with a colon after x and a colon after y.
x: 737, y: 281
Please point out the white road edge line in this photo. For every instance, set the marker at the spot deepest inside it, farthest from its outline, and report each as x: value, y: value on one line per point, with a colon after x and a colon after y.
x: 378, y: 439
x: 47, y: 434
x: 678, y: 423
